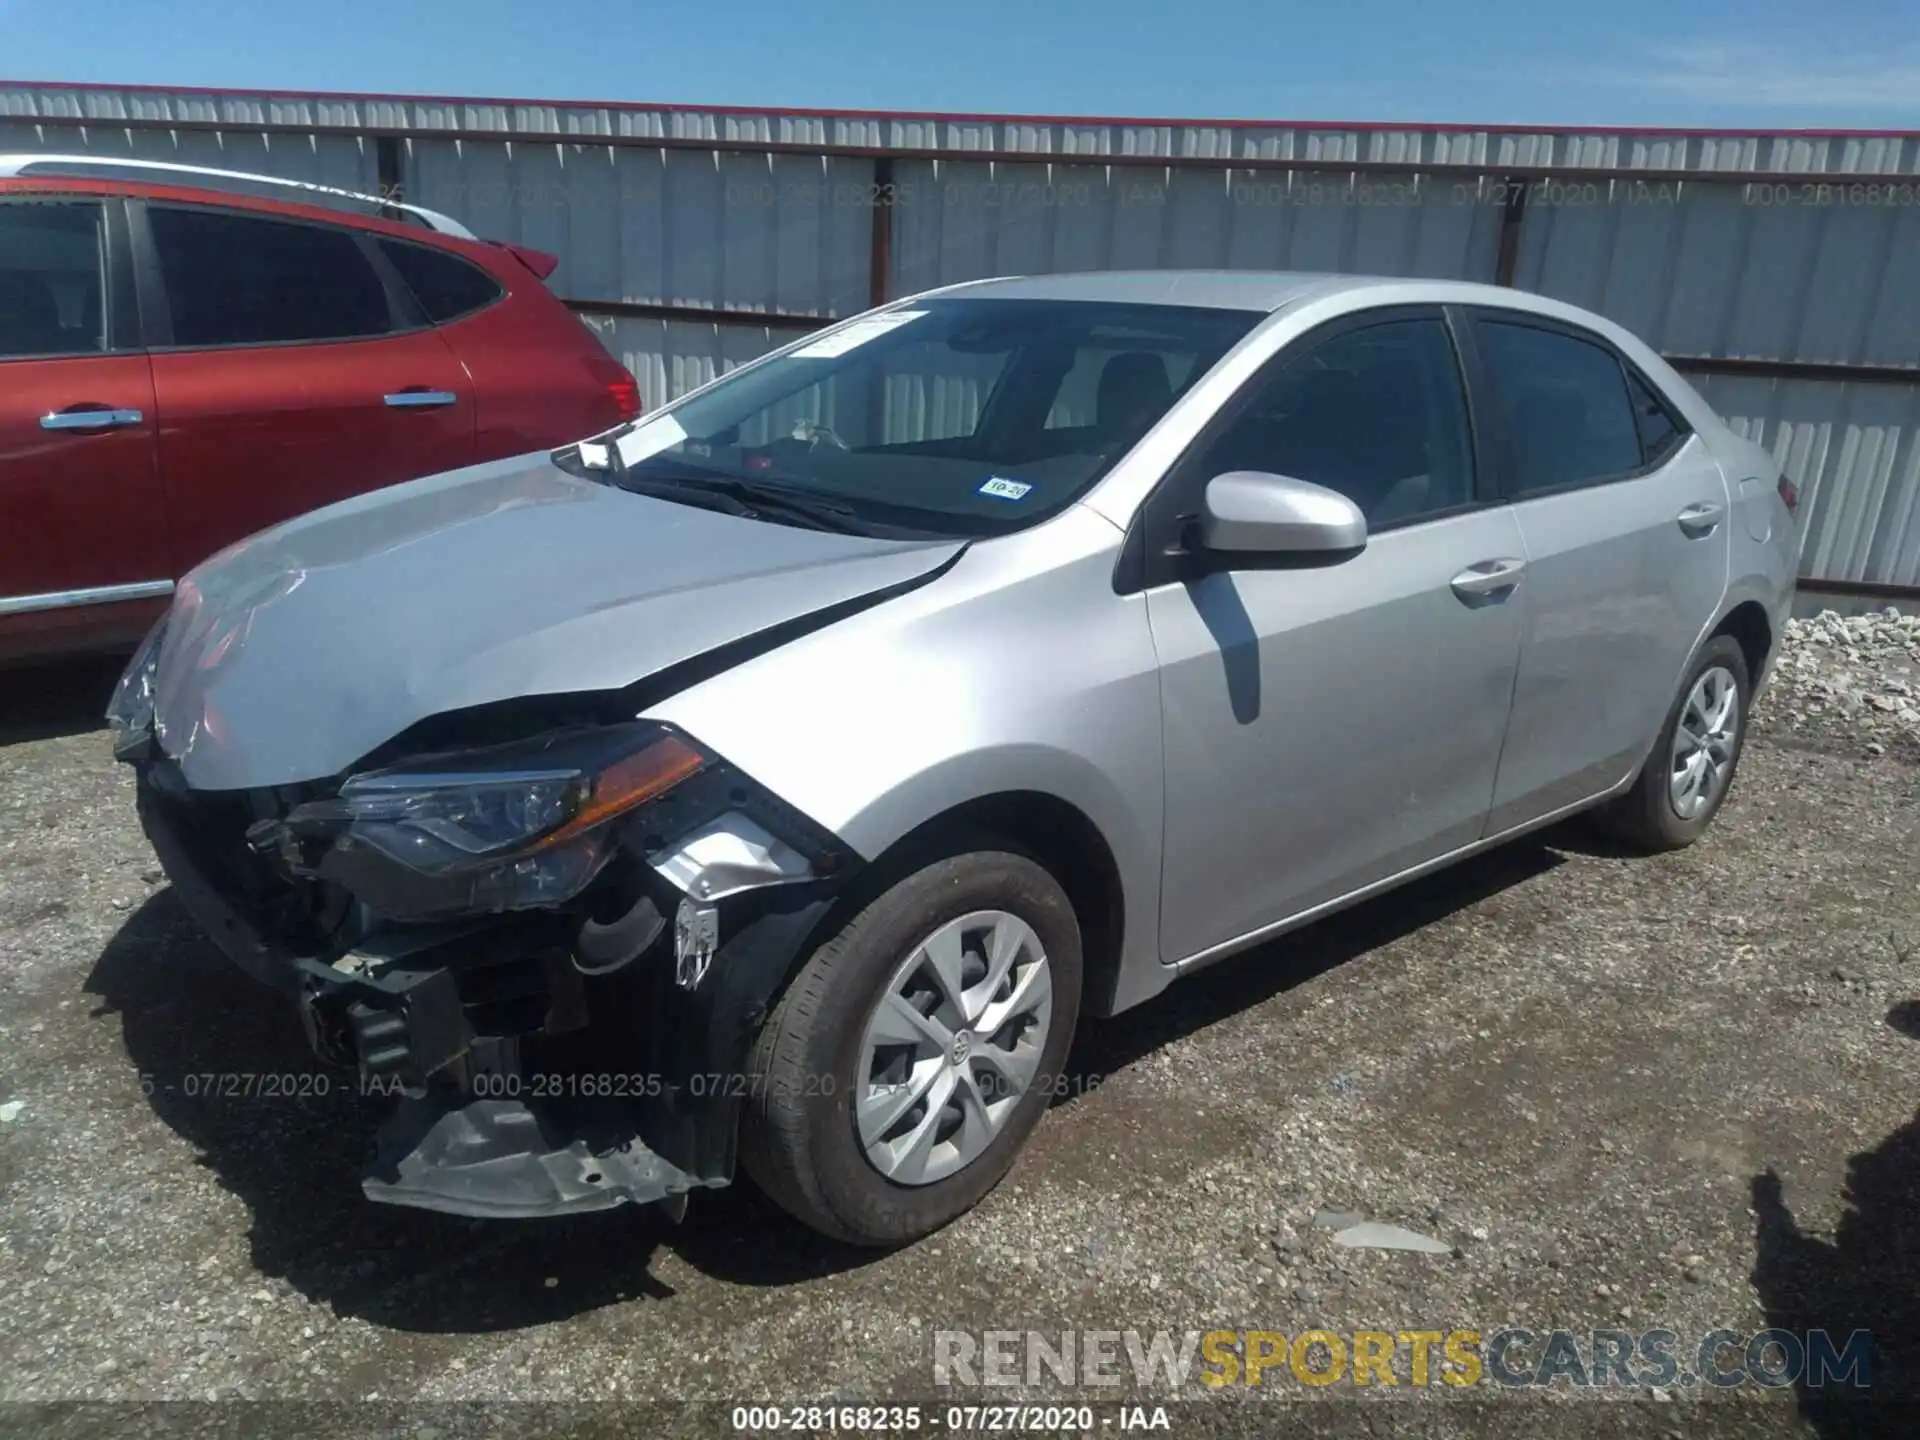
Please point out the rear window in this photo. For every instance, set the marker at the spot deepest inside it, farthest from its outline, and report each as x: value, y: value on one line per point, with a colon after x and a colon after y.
x: 243, y: 280
x: 1661, y: 431
x: 1569, y: 421
x: 446, y: 286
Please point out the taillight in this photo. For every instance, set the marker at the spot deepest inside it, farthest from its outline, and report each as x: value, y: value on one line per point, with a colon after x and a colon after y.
x: 1789, y: 495
x: 625, y: 394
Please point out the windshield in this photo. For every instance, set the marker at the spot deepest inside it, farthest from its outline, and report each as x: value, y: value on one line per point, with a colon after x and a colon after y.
x: 952, y: 417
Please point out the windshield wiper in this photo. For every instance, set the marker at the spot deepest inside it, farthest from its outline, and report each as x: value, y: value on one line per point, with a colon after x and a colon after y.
x: 753, y: 499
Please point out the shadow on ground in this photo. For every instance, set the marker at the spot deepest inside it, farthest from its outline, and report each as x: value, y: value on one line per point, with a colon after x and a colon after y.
x: 53, y: 698
x: 1867, y: 1277
x: 293, y: 1147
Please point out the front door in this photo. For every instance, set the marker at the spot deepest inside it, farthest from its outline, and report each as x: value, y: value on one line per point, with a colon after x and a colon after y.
x: 83, y: 541
x: 1329, y: 726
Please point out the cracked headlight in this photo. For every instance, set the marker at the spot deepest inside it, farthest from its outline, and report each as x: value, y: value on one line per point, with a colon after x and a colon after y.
x: 508, y: 828
x: 130, y: 711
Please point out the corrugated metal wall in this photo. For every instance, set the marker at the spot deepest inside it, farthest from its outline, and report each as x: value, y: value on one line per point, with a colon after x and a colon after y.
x: 693, y: 240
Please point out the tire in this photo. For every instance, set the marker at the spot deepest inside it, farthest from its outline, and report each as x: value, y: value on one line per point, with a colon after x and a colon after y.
x: 799, y: 1137
x: 1647, y: 815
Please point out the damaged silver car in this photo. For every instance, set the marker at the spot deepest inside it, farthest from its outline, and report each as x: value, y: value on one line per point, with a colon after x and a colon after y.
x: 782, y: 776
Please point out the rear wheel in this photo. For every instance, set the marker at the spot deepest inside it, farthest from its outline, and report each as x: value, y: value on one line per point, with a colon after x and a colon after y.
x: 914, y: 1052
x: 1691, y: 769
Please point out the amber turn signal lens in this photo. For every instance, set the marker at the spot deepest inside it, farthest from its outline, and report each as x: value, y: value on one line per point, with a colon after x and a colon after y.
x: 630, y: 782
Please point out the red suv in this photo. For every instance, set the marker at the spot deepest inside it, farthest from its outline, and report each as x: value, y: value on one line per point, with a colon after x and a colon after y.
x: 182, y: 365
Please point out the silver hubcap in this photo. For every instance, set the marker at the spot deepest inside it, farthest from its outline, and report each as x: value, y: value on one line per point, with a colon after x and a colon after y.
x: 1703, y: 743
x: 951, y: 1046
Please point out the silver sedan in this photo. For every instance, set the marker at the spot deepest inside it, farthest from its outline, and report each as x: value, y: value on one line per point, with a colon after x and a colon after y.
x: 786, y: 773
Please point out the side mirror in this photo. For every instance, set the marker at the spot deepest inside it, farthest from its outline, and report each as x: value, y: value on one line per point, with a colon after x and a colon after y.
x: 1250, y: 512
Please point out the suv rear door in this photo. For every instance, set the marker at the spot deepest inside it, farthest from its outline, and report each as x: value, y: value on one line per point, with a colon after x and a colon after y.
x: 83, y: 550
x: 290, y: 369
x: 1624, y: 514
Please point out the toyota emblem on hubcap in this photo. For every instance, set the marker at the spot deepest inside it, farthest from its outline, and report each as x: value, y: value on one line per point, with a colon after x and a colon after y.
x: 962, y: 1045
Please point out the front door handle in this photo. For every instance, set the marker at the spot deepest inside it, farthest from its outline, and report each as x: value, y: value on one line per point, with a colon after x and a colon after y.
x: 421, y: 399
x: 1702, y: 519
x: 1488, y: 580
x: 90, y: 419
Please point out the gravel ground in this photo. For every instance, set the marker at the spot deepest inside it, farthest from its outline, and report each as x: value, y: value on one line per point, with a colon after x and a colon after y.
x: 1626, y: 1092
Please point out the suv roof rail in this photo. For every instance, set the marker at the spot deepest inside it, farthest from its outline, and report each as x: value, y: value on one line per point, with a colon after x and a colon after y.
x: 105, y: 167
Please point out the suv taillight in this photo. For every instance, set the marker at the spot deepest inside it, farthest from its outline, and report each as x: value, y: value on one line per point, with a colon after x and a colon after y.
x: 1789, y: 495
x: 625, y: 393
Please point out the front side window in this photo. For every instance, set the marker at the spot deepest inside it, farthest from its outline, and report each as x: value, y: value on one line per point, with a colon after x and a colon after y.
x: 1569, y: 420
x: 954, y: 417
x: 1378, y: 414
x: 247, y: 280
x: 52, y: 279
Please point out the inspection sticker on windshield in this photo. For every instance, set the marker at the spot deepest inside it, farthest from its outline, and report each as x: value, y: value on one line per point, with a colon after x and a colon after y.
x: 648, y: 438
x: 1001, y: 488
x: 856, y: 334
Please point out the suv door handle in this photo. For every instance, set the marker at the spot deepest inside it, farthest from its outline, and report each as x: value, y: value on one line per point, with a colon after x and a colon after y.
x: 1489, y: 578
x: 72, y: 419
x: 421, y: 399
x: 1700, y: 520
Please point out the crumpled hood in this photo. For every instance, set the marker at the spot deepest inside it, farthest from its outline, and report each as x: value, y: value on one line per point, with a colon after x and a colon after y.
x: 296, y: 652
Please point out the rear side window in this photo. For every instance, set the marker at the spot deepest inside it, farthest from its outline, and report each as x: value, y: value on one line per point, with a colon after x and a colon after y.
x: 1569, y: 421
x: 245, y: 280
x: 1661, y: 431
x: 52, y: 280
x: 446, y: 286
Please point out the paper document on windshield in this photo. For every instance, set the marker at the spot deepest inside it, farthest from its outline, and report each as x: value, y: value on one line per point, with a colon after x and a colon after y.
x: 856, y: 334
x: 649, y: 438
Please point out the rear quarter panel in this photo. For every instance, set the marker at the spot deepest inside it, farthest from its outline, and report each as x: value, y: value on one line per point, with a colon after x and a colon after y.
x: 540, y: 376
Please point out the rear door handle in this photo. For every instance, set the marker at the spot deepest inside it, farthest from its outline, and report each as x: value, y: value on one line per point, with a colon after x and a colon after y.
x: 90, y: 419
x: 1488, y: 579
x: 421, y: 399
x: 1701, y: 519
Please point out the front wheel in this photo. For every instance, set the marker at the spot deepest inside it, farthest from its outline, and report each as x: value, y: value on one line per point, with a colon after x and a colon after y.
x: 1691, y: 768
x: 914, y: 1052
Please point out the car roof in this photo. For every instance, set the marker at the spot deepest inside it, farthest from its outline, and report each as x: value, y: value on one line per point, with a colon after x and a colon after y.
x: 1256, y: 290
x: 225, y: 183
x: 1212, y: 289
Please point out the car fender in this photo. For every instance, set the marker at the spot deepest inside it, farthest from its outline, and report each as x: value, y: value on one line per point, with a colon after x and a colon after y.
x: 1018, y: 670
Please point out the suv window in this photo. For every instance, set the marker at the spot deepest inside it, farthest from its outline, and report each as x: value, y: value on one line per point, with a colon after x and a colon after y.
x: 52, y: 279
x: 1661, y: 431
x: 246, y: 280
x: 1379, y: 414
x: 446, y: 286
x: 1569, y: 421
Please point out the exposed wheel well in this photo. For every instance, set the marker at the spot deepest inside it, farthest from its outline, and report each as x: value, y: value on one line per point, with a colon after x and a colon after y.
x: 1747, y: 623
x: 1074, y: 851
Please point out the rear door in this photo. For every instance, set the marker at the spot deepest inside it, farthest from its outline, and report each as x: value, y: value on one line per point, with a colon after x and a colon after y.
x: 291, y: 372
x: 83, y: 534
x: 1624, y: 514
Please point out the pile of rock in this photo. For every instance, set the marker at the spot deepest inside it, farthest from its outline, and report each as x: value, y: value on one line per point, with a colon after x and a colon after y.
x: 1856, y: 678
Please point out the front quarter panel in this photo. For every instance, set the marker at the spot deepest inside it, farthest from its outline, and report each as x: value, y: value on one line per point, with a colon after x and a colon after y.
x: 1018, y: 670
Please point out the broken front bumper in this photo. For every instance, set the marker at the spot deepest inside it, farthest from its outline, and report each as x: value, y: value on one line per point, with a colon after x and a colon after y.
x: 531, y: 1081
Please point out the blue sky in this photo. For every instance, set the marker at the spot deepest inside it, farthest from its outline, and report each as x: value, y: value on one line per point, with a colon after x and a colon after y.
x: 1767, y: 64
